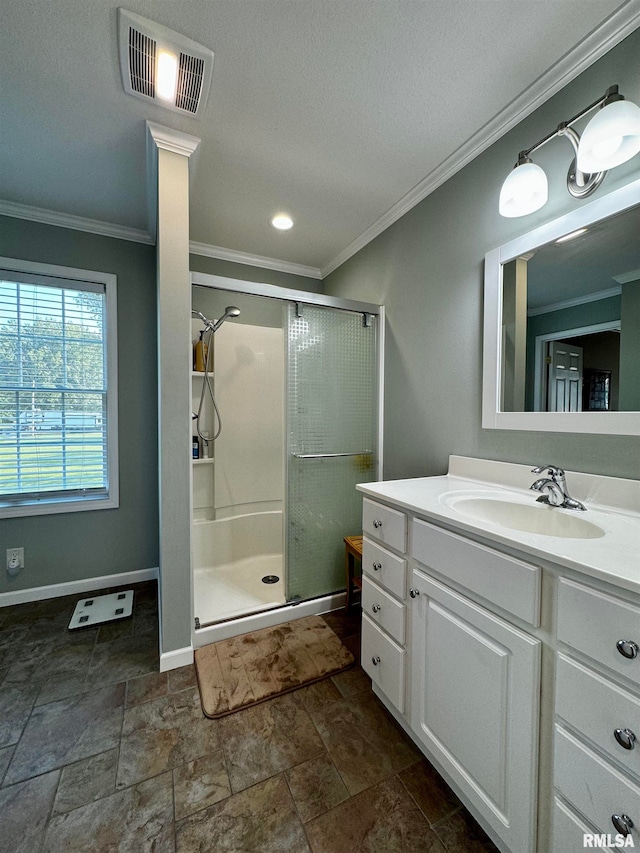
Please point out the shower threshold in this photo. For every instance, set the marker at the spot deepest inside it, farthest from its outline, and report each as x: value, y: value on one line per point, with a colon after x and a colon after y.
x: 276, y: 615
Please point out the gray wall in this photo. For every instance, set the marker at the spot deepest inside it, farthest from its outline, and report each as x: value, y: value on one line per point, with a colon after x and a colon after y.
x: 630, y: 346
x: 71, y: 546
x: 254, y: 310
x: 427, y: 269
x: 229, y: 269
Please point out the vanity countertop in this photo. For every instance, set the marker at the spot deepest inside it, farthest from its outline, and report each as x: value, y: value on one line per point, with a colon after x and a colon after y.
x: 613, y: 506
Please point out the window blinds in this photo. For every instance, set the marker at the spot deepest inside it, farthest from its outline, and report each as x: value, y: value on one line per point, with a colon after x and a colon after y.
x: 53, y: 388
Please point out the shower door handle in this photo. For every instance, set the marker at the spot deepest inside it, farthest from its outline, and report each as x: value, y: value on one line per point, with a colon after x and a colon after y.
x: 330, y: 455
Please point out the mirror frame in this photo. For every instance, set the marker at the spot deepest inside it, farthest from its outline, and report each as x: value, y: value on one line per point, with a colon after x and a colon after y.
x: 604, y: 423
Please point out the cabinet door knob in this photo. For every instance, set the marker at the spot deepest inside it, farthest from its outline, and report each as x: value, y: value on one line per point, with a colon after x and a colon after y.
x: 376, y: 609
x: 377, y: 523
x: 377, y: 567
x: 628, y: 649
x: 625, y: 737
x: 413, y: 592
x: 375, y: 660
x: 622, y: 823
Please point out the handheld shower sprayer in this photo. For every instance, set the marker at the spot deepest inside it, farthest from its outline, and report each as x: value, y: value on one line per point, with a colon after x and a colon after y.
x: 210, y: 327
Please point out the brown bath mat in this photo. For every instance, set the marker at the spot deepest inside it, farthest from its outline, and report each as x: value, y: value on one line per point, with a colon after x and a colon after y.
x: 242, y: 671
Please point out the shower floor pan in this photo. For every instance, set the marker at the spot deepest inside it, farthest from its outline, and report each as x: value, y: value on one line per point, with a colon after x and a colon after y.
x: 235, y: 589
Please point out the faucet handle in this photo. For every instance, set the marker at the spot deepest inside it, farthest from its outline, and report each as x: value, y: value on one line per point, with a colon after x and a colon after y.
x: 553, y: 471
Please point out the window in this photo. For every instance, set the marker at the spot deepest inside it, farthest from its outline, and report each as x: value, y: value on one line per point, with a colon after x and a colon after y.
x: 58, y: 392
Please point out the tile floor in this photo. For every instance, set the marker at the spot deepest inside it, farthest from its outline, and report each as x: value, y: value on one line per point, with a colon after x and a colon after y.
x: 101, y: 752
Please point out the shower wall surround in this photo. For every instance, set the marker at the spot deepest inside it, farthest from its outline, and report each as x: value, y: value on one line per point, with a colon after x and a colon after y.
x: 427, y: 268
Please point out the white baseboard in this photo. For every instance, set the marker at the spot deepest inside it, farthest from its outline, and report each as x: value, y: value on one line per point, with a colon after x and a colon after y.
x: 56, y: 590
x: 176, y: 658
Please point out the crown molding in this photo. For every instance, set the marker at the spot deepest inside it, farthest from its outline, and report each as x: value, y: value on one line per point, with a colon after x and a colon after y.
x: 626, y: 277
x: 577, y: 300
x: 76, y: 223
x: 122, y: 232
x: 171, y: 139
x: 621, y: 24
x: 236, y: 257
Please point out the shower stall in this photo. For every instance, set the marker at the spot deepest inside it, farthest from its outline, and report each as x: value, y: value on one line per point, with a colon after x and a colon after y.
x: 292, y: 396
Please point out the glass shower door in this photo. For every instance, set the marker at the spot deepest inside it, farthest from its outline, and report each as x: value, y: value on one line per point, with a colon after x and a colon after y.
x: 332, y: 387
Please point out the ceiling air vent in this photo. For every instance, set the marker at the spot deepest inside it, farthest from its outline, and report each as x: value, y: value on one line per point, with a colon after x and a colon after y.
x: 160, y: 65
x: 190, y: 74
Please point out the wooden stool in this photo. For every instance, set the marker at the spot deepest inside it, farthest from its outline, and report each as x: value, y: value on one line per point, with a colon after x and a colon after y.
x: 352, y: 552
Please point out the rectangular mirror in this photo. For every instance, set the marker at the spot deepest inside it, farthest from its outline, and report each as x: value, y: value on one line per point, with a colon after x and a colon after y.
x: 562, y: 323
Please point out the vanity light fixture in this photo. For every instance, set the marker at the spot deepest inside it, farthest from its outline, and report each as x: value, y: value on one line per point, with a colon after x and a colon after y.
x: 282, y: 222
x: 612, y: 137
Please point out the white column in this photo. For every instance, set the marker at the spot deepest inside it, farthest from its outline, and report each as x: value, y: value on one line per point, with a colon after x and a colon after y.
x: 169, y: 153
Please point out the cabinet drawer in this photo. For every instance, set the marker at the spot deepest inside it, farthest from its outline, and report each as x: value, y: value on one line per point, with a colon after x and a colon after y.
x: 597, y: 708
x: 592, y: 622
x: 385, y: 524
x: 385, y: 568
x: 505, y: 581
x: 568, y: 829
x: 384, y: 610
x: 383, y: 661
x: 593, y: 786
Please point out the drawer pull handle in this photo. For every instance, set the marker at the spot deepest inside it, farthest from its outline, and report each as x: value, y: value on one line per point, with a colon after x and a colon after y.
x: 376, y: 609
x: 622, y: 823
x: 377, y: 567
x: 625, y: 737
x: 375, y: 660
x: 377, y: 523
x: 413, y: 592
x: 628, y: 649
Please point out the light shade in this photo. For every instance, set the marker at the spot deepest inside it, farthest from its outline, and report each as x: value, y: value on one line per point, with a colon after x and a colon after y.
x: 612, y: 137
x: 525, y: 190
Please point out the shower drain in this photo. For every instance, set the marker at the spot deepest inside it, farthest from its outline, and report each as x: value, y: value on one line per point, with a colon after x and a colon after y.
x: 270, y: 579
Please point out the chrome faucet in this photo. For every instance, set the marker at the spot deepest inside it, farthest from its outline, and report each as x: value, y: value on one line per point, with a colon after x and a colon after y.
x: 554, y: 488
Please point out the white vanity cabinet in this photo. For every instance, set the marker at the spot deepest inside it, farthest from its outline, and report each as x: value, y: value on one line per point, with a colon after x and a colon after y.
x: 516, y: 644
x: 384, y: 583
x: 597, y: 727
x: 474, y: 689
x: 464, y: 680
x: 475, y: 677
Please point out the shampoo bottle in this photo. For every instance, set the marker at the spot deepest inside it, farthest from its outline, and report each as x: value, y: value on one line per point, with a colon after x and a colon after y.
x: 201, y: 355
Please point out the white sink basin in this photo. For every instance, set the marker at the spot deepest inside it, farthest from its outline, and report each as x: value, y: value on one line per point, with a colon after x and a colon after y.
x: 529, y: 518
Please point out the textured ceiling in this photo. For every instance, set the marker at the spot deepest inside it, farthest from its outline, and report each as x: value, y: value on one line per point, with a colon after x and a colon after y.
x: 332, y: 110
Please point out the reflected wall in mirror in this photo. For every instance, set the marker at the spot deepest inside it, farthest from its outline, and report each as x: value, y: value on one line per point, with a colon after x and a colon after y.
x: 571, y: 322
x: 562, y: 323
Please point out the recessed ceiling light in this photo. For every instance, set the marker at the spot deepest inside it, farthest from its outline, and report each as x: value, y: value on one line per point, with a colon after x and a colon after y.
x: 282, y: 221
x: 571, y: 236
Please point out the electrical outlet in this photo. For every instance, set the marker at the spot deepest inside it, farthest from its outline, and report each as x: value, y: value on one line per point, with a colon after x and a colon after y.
x: 15, y: 560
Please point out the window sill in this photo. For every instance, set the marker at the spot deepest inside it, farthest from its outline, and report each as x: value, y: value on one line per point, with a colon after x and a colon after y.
x: 58, y: 506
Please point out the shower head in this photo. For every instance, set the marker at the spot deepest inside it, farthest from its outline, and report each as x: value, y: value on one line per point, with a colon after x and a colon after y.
x: 229, y: 313
x: 210, y: 326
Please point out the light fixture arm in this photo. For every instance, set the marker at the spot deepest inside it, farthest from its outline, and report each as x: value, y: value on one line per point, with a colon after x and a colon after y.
x: 579, y: 184
x: 609, y: 96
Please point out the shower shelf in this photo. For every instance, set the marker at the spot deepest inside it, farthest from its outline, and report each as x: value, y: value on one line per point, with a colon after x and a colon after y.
x: 195, y: 373
x: 203, y: 461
